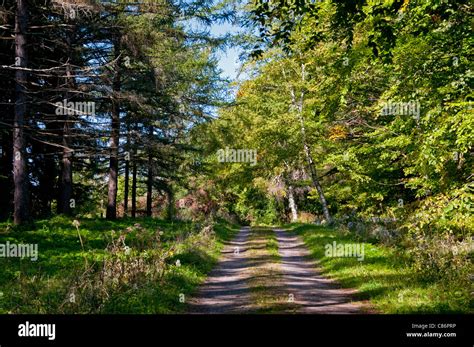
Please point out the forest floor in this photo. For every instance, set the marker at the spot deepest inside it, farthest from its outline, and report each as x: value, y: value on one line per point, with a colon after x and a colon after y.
x: 266, y: 270
x: 147, y: 265
x: 85, y: 268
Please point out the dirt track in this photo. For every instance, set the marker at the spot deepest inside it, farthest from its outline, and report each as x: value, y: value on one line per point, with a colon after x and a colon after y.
x: 298, y: 288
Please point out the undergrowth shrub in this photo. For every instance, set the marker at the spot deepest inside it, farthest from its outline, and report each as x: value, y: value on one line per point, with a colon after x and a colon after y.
x: 124, y: 267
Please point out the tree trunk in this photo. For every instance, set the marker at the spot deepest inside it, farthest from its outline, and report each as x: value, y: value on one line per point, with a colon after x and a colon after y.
x: 149, y: 182
x: 6, y: 173
x: 292, y: 204
x: 65, y: 172
x: 20, y: 167
x: 298, y: 105
x: 170, y: 194
x: 47, y: 184
x: 127, y: 174
x: 65, y: 181
x: 114, y: 138
x: 316, y: 184
x: 134, y: 188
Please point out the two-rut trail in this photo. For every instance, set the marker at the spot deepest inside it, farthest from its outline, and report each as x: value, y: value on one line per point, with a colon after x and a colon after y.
x: 300, y: 287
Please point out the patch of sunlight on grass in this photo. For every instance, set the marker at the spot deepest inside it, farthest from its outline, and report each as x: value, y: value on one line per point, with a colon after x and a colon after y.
x: 42, y: 286
x: 383, y: 277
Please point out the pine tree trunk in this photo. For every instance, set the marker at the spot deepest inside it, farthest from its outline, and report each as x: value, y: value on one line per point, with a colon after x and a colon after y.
x: 170, y: 203
x: 47, y: 182
x: 6, y: 174
x: 65, y: 181
x: 65, y: 184
x: 114, y: 139
x: 134, y: 188
x: 127, y: 174
x: 113, y: 167
x: 20, y: 168
x: 149, y: 190
x: 126, y: 188
x: 149, y: 183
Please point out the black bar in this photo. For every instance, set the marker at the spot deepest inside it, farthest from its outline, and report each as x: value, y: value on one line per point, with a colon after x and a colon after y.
x: 174, y: 330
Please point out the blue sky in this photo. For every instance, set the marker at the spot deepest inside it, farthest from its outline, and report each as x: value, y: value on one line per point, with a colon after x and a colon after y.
x: 229, y: 59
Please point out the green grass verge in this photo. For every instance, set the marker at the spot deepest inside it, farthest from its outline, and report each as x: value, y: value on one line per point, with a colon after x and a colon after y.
x: 42, y: 286
x: 384, y: 277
